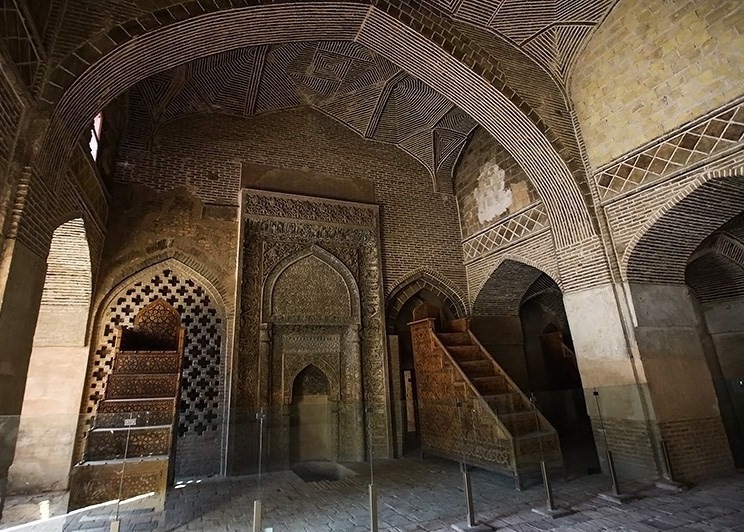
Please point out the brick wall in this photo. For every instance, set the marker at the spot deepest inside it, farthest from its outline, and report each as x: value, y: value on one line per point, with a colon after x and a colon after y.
x: 204, y: 154
x: 537, y: 251
x: 653, y: 65
x: 697, y: 448
x: 472, y: 184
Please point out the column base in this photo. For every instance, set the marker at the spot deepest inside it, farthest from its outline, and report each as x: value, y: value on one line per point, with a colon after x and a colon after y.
x: 479, y: 527
x: 552, y: 514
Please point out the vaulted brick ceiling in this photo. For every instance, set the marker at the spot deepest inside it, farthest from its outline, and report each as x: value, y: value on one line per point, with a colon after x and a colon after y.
x: 344, y: 80
x: 504, y: 62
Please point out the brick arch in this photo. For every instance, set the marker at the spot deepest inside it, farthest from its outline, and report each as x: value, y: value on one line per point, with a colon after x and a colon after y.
x: 504, y: 291
x: 478, y: 91
x: 334, y: 391
x: 68, y: 284
x: 416, y: 282
x: 714, y: 276
x: 192, y: 258
x: 660, y: 250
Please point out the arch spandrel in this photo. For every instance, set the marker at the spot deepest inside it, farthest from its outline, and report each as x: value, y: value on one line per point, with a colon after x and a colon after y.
x: 660, y: 249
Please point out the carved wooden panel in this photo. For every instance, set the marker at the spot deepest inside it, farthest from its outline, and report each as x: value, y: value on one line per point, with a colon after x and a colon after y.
x: 203, y: 365
x: 156, y: 327
x: 454, y: 421
x: 134, y: 386
x: 148, y: 412
x: 96, y: 484
x: 140, y: 363
x: 104, y: 444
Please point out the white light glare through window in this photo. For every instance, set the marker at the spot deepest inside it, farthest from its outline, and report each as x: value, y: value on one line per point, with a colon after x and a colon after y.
x: 95, y: 135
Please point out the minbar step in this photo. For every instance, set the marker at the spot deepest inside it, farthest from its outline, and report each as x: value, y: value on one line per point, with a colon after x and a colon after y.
x: 138, y: 386
x: 99, y: 482
x: 129, y: 442
x: 149, y: 411
x: 139, y: 362
x: 506, y: 403
x: 518, y: 423
x: 494, y: 384
x: 454, y: 338
x: 465, y: 353
x: 477, y: 368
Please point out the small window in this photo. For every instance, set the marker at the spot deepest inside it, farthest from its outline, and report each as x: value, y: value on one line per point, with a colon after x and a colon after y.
x: 95, y: 135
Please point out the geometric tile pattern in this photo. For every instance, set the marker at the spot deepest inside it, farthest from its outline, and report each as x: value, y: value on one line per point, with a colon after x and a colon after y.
x: 521, y: 224
x: 343, y: 80
x: 688, y: 146
x: 202, y: 365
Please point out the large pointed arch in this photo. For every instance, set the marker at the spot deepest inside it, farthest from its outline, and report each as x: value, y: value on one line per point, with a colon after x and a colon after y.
x: 660, y: 250
x: 503, y: 290
x: 202, y: 425
x: 477, y: 91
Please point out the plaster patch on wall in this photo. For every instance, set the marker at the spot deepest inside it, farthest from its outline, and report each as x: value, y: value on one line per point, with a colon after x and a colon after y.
x: 491, y: 195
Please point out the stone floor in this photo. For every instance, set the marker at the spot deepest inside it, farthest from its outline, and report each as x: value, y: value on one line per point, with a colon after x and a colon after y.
x: 413, y: 495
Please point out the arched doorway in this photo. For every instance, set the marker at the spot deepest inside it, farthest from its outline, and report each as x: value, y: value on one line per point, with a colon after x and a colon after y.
x: 669, y: 265
x: 46, y: 434
x: 311, y: 361
x: 202, y: 409
x: 311, y: 425
x: 553, y: 372
x: 421, y: 293
x: 520, y: 318
x: 715, y: 274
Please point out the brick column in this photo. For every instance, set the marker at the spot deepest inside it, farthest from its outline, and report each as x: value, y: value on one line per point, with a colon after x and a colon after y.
x: 621, y: 412
x: 669, y: 337
x: 21, y: 281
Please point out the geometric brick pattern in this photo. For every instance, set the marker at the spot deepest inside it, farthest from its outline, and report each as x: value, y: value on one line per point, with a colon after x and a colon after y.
x: 422, y: 282
x: 506, y: 289
x: 509, y: 230
x: 344, y: 80
x: 716, y: 269
x: 550, y: 31
x: 416, y: 36
x: 690, y: 145
x: 201, y: 398
x: 20, y: 41
x: 660, y: 251
x: 12, y: 109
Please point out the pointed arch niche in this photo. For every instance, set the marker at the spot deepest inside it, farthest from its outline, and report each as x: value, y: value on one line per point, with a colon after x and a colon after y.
x: 202, y: 416
x: 310, y: 294
x: 313, y: 366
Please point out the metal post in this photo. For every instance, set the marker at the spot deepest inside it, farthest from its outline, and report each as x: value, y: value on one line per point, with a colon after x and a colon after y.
x: 550, y: 509
x: 615, y: 496
x: 257, y: 516
x: 128, y: 423
x: 468, y: 494
x: 613, y: 474
x: 548, y: 490
x: 667, y: 462
x: 608, y: 453
x: 373, y: 525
